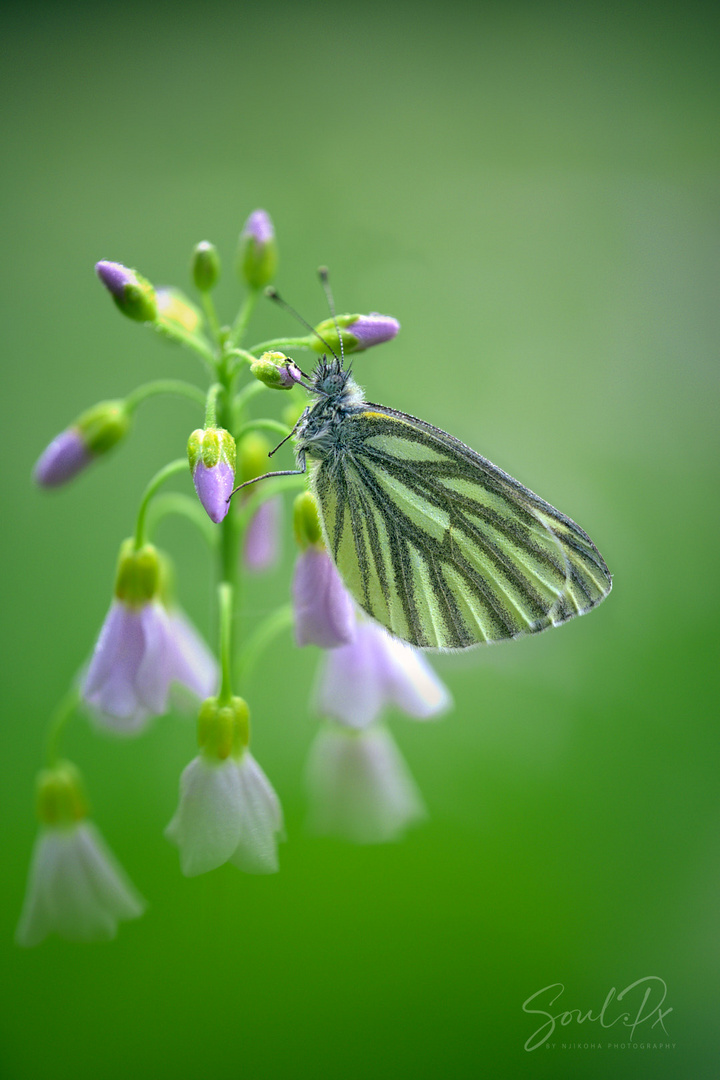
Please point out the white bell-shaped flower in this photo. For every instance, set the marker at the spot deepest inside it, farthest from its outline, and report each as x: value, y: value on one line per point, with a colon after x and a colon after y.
x: 228, y: 810
x: 76, y: 888
x: 360, y: 786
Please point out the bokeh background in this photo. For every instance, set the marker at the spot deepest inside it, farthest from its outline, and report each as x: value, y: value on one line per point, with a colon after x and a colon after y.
x: 532, y: 189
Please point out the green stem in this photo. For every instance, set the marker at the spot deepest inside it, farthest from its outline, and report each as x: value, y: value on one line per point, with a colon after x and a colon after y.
x: 283, y: 343
x: 179, y: 465
x: 211, y: 403
x: 264, y: 635
x: 176, y: 332
x: 225, y: 600
x: 247, y: 394
x: 185, y: 506
x: 163, y: 386
x: 263, y: 425
x: 240, y: 354
x: 243, y: 318
x: 65, y: 710
x: 211, y: 315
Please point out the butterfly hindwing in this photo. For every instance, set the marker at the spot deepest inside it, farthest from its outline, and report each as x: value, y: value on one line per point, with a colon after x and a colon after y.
x: 442, y: 547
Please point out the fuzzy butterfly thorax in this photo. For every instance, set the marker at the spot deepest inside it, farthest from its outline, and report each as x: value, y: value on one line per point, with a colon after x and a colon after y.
x: 320, y: 432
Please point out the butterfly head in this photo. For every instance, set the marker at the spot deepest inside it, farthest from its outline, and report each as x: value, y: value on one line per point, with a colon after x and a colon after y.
x: 330, y: 379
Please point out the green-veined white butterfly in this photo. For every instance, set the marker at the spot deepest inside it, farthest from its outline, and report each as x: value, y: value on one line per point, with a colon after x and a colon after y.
x: 439, y: 545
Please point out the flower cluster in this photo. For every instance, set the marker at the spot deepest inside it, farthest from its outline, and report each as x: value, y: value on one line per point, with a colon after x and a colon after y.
x: 147, y: 649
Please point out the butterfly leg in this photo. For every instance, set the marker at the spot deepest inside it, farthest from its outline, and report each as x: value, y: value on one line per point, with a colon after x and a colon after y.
x: 265, y: 476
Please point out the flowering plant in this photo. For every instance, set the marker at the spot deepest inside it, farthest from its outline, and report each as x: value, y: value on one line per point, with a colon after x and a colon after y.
x: 359, y: 785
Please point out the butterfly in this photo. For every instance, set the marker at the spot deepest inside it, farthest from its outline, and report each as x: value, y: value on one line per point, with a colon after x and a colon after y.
x: 436, y: 543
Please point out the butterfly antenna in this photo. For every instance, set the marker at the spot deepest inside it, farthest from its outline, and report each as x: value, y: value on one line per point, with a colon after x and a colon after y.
x: 272, y: 294
x: 324, y: 276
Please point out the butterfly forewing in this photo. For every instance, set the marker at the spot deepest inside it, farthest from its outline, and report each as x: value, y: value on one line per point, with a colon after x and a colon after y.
x: 441, y: 546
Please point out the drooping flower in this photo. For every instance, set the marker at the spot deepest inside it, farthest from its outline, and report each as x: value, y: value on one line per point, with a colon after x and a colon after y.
x: 143, y: 648
x: 211, y: 454
x: 360, y: 787
x: 257, y: 253
x: 76, y: 889
x: 228, y: 810
x: 63, y: 458
x: 359, y: 332
x: 323, y: 608
x: 94, y: 433
x: 376, y: 670
x: 261, y: 548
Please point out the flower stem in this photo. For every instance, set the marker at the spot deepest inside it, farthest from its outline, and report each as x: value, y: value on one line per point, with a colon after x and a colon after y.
x: 179, y: 465
x: 63, y: 713
x: 263, y: 425
x: 243, y: 318
x: 283, y: 343
x: 174, y: 502
x: 211, y: 404
x: 264, y: 635
x: 163, y: 386
x: 247, y: 394
x: 225, y: 599
x: 209, y: 308
x: 173, y: 330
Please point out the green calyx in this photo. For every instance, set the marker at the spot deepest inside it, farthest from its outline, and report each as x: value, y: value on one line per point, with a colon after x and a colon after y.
x: 211, y: 445
x: 205, y: 266
x: 252, y: 456
x: 331, y: 339
x: 139, y: 574
x: 223, y: 730
x: 60, y: 798
x: 104, y: 425
x: 273, y: 369
x: 306, y: 521
x: 137, y: 299
x: 257, y: 262
x: 174, y: 308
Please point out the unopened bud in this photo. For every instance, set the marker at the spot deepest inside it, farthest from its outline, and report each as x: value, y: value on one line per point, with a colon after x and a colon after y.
x: 211, y: 453
x: 306, y: 521
x: 205, y: 266
x: 276, y: 370
x: 359, y: 332
x: 132, y: 293
x: 257, y: 253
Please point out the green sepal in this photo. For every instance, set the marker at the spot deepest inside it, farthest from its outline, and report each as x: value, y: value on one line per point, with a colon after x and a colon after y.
x: 103, y: 425
x: 257, y: 263
x: 138, y: 300
x: 59, y: 795
x: 331, y: 339
x: 139, y: 573
x: 205, y: 266
x: 211, y: 445
x: 252, y: 458
x: 223, y: 730
x: 306, y: 521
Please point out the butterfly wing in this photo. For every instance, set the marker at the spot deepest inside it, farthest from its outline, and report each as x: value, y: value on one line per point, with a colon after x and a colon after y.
x: 442, y: 547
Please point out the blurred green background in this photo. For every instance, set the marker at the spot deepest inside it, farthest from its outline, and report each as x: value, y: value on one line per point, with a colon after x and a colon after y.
x: 532, y: 189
